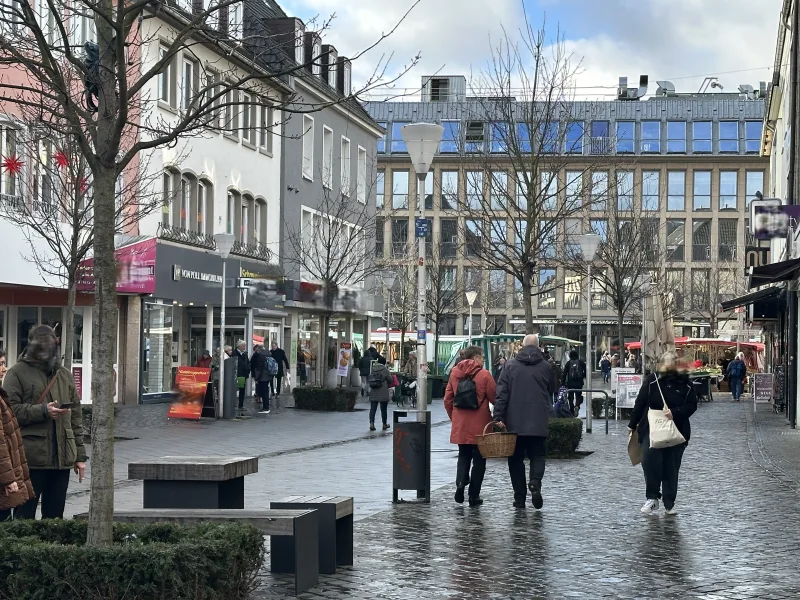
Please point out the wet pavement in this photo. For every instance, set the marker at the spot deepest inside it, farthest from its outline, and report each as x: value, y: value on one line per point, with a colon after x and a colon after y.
x: 736, y: 536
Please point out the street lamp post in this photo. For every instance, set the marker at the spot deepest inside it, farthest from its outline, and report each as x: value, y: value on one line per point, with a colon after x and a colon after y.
x: 422, y: 141
x: 471, y: 295
x: 589, y: 243
x: 224, y: 244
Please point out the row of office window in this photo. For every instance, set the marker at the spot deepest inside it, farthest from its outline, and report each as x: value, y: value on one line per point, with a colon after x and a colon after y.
x: 474, y: 190
x: 596, y: 137
x: 699, y: 246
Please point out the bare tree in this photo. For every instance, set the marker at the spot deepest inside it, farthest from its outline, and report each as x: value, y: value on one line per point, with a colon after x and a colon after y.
x: 55, y: 208
x: 105, y: 103
x: 402, y: 302
x: 710, y: 287
x: 524, y: 171
x: 444, y: 292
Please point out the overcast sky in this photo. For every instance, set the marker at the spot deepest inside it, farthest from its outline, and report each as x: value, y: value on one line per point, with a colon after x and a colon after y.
x: 679, y: 40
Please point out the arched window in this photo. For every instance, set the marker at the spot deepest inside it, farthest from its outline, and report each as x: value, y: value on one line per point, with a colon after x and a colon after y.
x: 185, y: 200
x: 205, y: 207
x: 167, y: 194
x: 260, y: 221
x: 246, y: 220
x: 231, y: 216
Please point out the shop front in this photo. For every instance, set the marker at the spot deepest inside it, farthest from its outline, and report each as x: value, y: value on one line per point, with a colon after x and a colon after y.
x: 182, y: 317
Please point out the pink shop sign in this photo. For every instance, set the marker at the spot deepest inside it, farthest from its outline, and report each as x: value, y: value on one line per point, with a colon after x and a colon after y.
x: 136, y: 269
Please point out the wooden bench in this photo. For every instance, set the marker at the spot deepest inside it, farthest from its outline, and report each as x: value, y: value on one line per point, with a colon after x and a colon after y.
x: 194, y: 482
x: 335, y: 527
x: 293, y: 534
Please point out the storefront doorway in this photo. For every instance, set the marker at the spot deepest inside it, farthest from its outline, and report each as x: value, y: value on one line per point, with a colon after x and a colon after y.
x: 234, y: 332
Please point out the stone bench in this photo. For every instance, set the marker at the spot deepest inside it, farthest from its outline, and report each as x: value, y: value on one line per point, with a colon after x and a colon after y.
x: 194, y: 482
x: 293, y: 534
x: 335, y: 527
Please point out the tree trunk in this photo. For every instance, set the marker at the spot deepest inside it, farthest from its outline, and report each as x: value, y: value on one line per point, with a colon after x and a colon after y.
x: 104, y: 337
x: 527, y: 303
x: 621, y: 327
x: 436, y: 349
x: 68, y: 328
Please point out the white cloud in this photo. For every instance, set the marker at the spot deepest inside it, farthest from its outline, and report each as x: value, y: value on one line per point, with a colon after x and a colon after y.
x: 664, y: 39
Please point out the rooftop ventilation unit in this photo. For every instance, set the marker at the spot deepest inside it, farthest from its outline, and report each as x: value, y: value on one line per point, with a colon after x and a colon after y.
x: 665, y: 88
x: 626, y: 93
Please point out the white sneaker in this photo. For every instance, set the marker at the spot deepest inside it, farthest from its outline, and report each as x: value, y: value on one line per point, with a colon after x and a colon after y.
x: 263, y: 412
x: 671, y: 511
x: 650, y: 507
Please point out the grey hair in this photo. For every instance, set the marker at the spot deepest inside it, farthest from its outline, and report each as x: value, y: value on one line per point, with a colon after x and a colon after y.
x: 532, y: 339
x: 226, y: 348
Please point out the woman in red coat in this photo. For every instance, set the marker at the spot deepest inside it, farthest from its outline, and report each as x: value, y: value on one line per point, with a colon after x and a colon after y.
x: 468, y: 423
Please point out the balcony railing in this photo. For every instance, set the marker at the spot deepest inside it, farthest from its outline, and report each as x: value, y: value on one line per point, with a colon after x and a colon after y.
x: 601, y: 145
x: 10, y: 202
x: 185, y: 236
x: 255, y: 250
x: 701, y: 252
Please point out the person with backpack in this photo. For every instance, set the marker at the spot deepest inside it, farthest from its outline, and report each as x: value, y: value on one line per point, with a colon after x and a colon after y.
x: 469, y: 392
x: 523, y: 406
x: 736, y: 372
x: 379, y: 382
x: 272, y: 369
x: 605, y: 368
x: 261, y: 377
x: 573, y: 378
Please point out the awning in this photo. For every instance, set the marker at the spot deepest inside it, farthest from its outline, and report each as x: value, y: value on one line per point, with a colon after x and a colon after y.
x: 779, y: 271
x: 765, y: 294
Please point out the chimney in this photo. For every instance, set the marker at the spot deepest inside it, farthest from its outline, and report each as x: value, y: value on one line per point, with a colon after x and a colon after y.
x: 313, y: 55
x: 344, y: 83
x: 330, y: 66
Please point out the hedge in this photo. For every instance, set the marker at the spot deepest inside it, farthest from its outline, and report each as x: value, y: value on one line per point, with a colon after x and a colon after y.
x: 564, y: 436
x: 597, y: 406
x: 314, y: 398
x: 48, y: 560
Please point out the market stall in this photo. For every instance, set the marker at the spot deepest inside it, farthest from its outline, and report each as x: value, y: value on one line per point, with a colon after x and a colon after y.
x: 506, y: 346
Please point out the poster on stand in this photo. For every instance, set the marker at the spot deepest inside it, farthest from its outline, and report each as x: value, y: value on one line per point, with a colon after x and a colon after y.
x: 628, y: 386
x: 762, y: 388
x: 343, y: 364
x: 615, y: 372
x: 190, y: 392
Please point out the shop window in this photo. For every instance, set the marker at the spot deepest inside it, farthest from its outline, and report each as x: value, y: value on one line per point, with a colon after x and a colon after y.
x: 157, y: 348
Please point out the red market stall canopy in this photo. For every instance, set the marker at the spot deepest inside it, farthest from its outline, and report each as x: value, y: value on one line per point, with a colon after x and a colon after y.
x: 685, y: 341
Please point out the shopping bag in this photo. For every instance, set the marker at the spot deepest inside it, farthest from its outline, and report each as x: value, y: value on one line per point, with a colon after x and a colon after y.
x: 634, y: 448
x: 240, y: 383
x: 663, y: 432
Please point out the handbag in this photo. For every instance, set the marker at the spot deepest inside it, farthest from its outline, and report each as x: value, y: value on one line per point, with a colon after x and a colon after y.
x: 663, y: 431
x: 240, y: 383
x: 634, y: 449
x: 395, y: 382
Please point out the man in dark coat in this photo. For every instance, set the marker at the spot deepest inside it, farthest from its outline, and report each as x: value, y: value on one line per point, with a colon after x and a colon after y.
x: 242, y: 370
x: 364, y: 368
x: 280, y: 357
x: 574, y: 377
x: 523, y: 405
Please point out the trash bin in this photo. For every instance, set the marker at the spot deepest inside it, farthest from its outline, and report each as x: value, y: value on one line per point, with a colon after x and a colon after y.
x: 231, y: 397
x: 411, y: 452
x: 436, y: 386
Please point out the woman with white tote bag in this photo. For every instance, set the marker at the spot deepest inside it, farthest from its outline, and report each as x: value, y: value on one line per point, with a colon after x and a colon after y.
x: 660, y: 418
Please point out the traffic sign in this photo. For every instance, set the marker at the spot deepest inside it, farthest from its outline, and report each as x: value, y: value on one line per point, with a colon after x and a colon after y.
x: 422, y: 227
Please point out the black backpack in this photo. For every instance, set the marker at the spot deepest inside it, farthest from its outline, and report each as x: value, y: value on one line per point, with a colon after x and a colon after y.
x: 466, y: 395
x: 575, y: 371
x: 375, y: 380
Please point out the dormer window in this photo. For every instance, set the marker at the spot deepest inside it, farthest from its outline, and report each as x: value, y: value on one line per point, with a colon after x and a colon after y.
x: 299, y: 47
x: 316, y: 57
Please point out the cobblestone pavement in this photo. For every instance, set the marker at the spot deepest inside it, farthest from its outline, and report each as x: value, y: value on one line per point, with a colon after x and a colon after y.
x: 774, y: 445
x: 736, y: 536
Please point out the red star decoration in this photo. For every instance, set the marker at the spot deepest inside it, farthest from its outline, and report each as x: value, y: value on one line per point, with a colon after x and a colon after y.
x: 13, y: 164
x: 61, y: 159
x: 83, y: 183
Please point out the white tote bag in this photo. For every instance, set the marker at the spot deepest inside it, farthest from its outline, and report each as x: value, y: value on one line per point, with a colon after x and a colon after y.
x: 663, y: 432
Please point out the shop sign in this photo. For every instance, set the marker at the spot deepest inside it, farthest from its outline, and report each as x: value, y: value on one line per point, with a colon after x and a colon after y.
x: 191, y: 384
x: 756, y: 256
x: 345, y: 352
x: 136, y: 269
x: 180, y: 274
x: 762, y: 388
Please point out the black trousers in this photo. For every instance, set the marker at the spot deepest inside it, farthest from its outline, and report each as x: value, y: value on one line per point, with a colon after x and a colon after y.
x: 5, y: 515
x: 241, y: 395
x: 575, y: 399
x: 262, y: 391
x: 661, y: 467
x: 373, y: 408
x: 51, y: 486
x: 468, y: 454
x: 535, y: 448
x: 279, y: 377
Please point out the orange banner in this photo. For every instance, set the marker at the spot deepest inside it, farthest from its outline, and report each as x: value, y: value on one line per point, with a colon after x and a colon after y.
x: 190, y: 392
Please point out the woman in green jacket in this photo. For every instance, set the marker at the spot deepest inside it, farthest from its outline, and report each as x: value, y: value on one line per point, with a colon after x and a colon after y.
x: 44, y: 399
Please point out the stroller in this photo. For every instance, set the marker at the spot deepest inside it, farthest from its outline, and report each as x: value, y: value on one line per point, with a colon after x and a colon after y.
x: 408, y: 389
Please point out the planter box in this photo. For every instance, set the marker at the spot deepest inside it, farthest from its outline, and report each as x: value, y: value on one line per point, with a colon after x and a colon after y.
x: 331, y: 400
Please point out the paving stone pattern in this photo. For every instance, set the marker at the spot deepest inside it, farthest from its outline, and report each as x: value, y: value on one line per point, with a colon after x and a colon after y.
x: 736, y: 536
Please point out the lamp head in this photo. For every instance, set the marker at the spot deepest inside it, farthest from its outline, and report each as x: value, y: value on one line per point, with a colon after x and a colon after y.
x: 471, y: 296
x: 422, y: 141
x: 589, y: 243
x: 224, y: 243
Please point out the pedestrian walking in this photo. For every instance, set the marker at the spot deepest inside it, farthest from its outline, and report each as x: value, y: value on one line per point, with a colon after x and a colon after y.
x: 364, y: 369
x: 523, y: 406
x: 204, y: 362
x: 470, y: 391
x: 15, y: 480
x: 669, y: 387
x: 283, y: 363
x: 42, y: 395
x: 501, y: 362
x: 410, y: 368
x: 302, y: 376
x: 573, y: 378
x: 242, y: 371
x: 261, y: 377
x: 736, y: 372
x: 379, y: 381
x: 605, y: 368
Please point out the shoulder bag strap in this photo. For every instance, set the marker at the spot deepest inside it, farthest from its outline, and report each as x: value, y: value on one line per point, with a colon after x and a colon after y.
x: 47, y: 389
x: 662, y: 394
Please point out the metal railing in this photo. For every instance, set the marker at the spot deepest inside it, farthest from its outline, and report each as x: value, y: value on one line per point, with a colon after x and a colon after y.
x: 185, y: 236
x: 255, y: 250
x: 10, y: 202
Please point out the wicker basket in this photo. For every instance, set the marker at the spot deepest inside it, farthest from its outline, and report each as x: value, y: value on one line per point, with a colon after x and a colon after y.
x: 496, y: 444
